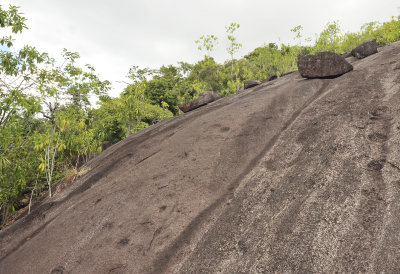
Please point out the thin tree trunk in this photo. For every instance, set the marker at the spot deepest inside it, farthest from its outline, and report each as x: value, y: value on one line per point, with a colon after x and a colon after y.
x: 1, y: 216
x: 139, y: 118
x: 52, y: 164
x: 232, y: 69
x: 30, y: 199
x: 77, y: 163
x: 47, y: 160
x: 4, y: 220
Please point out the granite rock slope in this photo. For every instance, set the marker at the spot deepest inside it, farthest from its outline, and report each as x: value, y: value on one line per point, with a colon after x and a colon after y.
x: 293, y: 175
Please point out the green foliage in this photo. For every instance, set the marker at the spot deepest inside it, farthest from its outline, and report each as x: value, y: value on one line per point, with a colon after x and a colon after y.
x: 207, y: 43
x: 17, y: 114
x: 13, y: 19
x: 332, y: 38
x: 117, y: 118
x: 234, y: 46
x: 205, y: 75
x: 389, y: 32
x: 44, y: 120
x: 329, y: 39
x: 297, y: 30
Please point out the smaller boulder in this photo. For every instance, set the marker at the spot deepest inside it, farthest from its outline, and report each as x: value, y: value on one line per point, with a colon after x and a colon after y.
x: 251, y: 83
x: 347, y: 54
x: 365, y: 49
x: 271, y: 78
x: 323, y: 65
x: 203, y: 99
x: 105, y: 145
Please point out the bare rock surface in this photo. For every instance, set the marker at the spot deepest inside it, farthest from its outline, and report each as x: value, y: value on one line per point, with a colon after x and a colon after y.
x: 297, y: 176
x: 251, y: 83
x: 323, y: 65
x: 203, y: 99
x: 365, y: 49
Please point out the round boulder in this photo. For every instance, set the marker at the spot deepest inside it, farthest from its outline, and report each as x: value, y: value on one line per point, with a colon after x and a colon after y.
x: 365, y: 49
x: 203, y: 99
x: 251, y: 83
x: 323, y: 65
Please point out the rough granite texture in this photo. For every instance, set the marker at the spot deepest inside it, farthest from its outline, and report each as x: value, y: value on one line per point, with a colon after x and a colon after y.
x: 292, y: 176
x: 203, y: 99
x: 323, y: 65
x: 365, y: 49
x: 251, y: 83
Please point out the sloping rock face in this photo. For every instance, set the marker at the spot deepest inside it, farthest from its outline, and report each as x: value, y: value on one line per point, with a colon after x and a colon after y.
x: 203, y: 99
x: 296, y: 176
x: 323, y: 65
x: 365, y: 49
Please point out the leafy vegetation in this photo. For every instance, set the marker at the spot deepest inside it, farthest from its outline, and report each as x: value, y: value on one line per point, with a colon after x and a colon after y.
x: 49, y: 127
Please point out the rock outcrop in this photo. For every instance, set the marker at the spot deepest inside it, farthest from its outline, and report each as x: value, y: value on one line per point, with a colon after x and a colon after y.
x: 300, y: 176
x: 203, y: 99
x: 106, y: 144
x: 365, y: 49
x: 323, y: 65
x: 251, y: 83
x: 270, y: 78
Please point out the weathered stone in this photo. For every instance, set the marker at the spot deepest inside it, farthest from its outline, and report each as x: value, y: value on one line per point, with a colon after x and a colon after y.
x: 251, y: 83
x: 271, y: 78
x: 203, y: 99
x: 365, y: 49
x: 346, y: 54
x: 105, y: 145
x: 323, y: 65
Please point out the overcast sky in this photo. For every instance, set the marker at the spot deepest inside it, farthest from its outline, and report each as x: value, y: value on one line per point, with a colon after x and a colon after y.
x: 114, y: 35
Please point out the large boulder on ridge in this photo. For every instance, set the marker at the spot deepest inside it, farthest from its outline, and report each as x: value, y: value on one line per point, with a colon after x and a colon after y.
x: 323, y: 65
x: 251, y: 83
x: 365, y: 49
x: 203, y: 99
